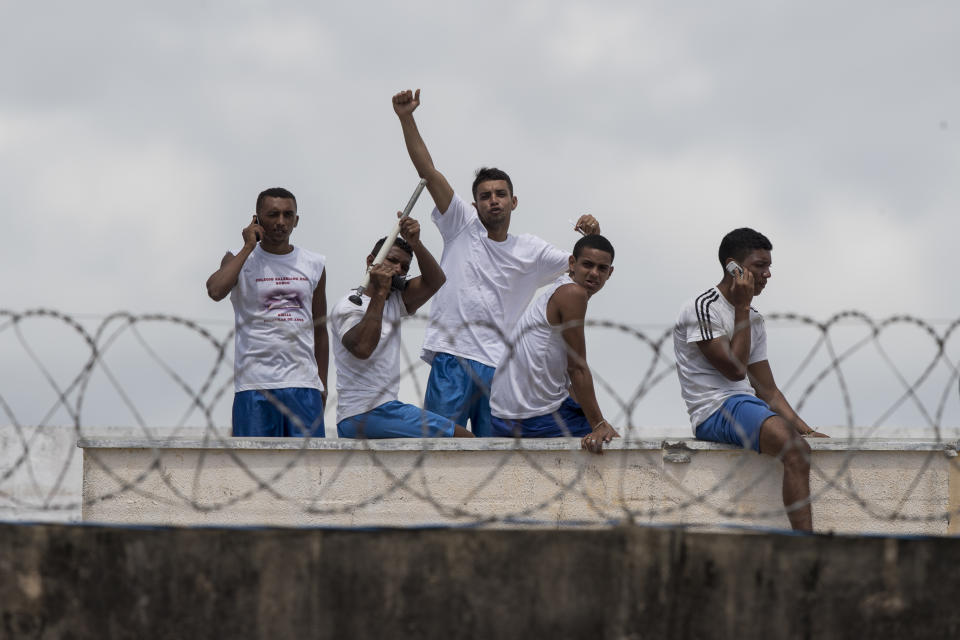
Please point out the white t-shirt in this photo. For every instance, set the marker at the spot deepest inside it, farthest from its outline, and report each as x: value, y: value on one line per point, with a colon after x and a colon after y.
x: 488, y: 285
x: 273, y: 308
x: 703, y: 388
x: 363, y: 385
x: 532, y: 379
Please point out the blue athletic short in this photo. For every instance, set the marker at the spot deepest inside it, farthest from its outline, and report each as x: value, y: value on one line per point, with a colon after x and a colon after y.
x: 395, y: 420
x: 567, y: 420
x: 282, y: 413
x: 459, y: 389
x: 737, y: 421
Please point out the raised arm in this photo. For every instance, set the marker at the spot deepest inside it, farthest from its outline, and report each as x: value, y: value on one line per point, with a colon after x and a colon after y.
x: 431, y: 278
x: 224, y: 279
x: 587, y: 225
x: 761, y: 378
x: 729, y: 354
x: 361, y: 339
x: 321, y: 339
x: 404, y: 104
x: 569, y: 305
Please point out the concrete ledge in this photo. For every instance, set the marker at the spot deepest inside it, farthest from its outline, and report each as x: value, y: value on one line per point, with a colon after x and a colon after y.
x: 495, y: 444
x: 862, y: 486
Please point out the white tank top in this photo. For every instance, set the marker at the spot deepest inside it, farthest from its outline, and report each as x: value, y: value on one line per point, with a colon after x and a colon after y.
x: 272, y: 303
x: 532, y: 378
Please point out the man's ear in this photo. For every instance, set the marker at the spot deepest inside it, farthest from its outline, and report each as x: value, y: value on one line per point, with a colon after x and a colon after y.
x: 571, y: 261
x: 515, y: 201
x: 370, y: 259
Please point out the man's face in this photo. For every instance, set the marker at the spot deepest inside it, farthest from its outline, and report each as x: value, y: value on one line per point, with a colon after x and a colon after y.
x: 592, y: 269
x: 758, y: 263
x: 278, y: 217
x: 397, y: 258
x: 494, y: 203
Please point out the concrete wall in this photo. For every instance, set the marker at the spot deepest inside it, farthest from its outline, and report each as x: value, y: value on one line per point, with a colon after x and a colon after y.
x: 886, y: 486
x: 632, y: 582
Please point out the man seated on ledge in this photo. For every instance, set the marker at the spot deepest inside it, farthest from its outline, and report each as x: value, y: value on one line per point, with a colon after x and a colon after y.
x: 720, y: 345
x: 543, y: 387
x: 366, y: 346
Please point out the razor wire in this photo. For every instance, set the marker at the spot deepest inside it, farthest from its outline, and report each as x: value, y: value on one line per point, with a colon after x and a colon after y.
x: 200, y: 386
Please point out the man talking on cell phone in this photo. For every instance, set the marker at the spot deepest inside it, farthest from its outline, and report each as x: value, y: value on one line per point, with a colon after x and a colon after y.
x: 720, y: 345
x: 280, y: 307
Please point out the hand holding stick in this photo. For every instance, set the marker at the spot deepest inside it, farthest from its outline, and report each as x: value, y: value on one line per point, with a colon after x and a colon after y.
x: 388, y: 243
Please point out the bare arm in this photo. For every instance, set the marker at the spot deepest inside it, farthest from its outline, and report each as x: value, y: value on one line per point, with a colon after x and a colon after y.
x: 404, y: 104
x: 361, y: 339
x: 568, y: 306
x: 224, y: 279
x: 761, y: 377
x: 431, y: 277
x: 321, y: 339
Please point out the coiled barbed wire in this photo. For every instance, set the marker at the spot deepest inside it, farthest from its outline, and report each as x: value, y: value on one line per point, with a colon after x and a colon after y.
x: 73, y: 395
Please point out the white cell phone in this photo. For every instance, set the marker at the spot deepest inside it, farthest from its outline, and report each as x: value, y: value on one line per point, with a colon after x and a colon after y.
x: 734, y: 269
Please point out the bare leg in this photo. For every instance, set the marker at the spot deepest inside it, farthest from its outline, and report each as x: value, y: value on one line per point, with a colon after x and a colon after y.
x: 778, y: 439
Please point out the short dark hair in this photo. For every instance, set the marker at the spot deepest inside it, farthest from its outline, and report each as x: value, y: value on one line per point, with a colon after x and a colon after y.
x: 595, y: 241
x: 399, y: 242
x: 740, y: 242
x: 485, y: 174
x: 275, y: 192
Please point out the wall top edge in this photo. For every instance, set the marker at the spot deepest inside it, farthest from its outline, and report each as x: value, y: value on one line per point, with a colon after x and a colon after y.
x: 494, y: 444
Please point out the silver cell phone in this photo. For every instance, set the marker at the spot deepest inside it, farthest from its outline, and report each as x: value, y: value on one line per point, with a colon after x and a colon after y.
x: 734, y: 269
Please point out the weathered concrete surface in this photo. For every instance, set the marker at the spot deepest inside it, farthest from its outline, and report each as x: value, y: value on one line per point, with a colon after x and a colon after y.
x: 875, y: 486
x: 95, y: 582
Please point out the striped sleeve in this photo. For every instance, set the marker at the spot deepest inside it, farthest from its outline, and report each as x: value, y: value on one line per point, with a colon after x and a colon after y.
x: 705, y: 322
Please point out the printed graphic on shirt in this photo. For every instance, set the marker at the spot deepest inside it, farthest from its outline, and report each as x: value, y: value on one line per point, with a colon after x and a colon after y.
x: 281, y: 294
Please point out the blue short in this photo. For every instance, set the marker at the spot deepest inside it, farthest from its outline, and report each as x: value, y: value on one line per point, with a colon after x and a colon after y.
x: 567, y: 420
x: 737, y: 421
x: 459, y: 389
x: 280, y: 413
x: 395, y: 420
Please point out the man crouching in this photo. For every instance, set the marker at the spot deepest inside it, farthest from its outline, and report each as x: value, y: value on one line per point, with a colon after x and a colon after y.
x: 366, y: 348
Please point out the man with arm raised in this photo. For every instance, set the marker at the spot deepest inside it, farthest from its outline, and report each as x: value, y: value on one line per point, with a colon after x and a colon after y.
x: 491, y: 277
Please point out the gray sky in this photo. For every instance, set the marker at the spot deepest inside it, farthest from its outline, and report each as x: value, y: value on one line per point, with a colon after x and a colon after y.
x: 134, y: 139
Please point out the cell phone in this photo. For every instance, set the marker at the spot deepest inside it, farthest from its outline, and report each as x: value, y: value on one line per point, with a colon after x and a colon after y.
x: 257, y: 216
x: 734, y: 269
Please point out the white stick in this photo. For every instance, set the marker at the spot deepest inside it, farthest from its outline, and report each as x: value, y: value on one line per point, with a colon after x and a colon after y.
x: 388, y: 243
